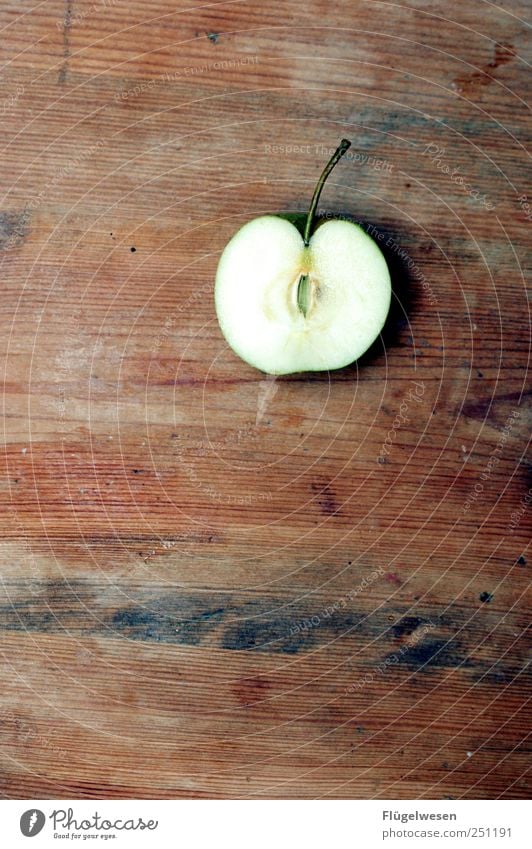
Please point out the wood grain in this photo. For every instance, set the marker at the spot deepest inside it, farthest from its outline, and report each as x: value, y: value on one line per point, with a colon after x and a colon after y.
x: 217, y: 584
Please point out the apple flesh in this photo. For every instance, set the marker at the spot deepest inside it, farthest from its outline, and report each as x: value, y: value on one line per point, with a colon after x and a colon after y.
x: 286, y: 305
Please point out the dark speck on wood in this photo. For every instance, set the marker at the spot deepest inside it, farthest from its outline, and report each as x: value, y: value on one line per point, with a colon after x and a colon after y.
x: 486, y: 597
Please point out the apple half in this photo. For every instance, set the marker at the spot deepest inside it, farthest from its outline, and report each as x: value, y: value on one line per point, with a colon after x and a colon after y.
x: 288, y: 301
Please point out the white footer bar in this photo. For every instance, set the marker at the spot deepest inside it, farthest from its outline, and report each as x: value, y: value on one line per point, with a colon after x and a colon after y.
x: 264, y: 824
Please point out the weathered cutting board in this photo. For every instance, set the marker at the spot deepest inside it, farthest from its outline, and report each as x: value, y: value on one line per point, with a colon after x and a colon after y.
x: 215, y: 583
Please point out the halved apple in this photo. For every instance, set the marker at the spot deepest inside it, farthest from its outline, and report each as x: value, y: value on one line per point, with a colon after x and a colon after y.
x: 288, y: 302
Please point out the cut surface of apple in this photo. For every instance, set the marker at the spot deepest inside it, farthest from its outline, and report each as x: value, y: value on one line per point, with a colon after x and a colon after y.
x: 287, y: 307
x: 289, y: 301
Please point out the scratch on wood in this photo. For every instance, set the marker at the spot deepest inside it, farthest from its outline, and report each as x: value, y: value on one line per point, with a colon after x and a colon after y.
x: 67, y: 26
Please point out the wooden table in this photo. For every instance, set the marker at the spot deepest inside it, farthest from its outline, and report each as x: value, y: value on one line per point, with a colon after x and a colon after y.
x: 215, y: 583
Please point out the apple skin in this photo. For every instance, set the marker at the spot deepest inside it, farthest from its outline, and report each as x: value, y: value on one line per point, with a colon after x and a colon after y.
x: 256, y: 294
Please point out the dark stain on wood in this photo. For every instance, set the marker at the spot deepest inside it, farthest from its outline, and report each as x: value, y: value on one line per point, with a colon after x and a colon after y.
x: 497, y: 674
x: 13, y: 229
x: 503, y: 54
x: 325, y: 497
x: 251, y: 691
x: 275, y: 635
x: 185, y: 617
x: 471, y: 84
x: 165, y: 623
x: 433, y: 653
x: 406, y: 626
x: 234, y: 623
x: 393, y: 578
x: 493, y: 410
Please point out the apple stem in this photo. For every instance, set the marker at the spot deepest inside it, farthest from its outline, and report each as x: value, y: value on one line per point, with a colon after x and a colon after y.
x: 342, y: 148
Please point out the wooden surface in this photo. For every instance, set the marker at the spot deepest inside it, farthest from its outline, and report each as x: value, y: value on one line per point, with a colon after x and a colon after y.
x: 216, y: 584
